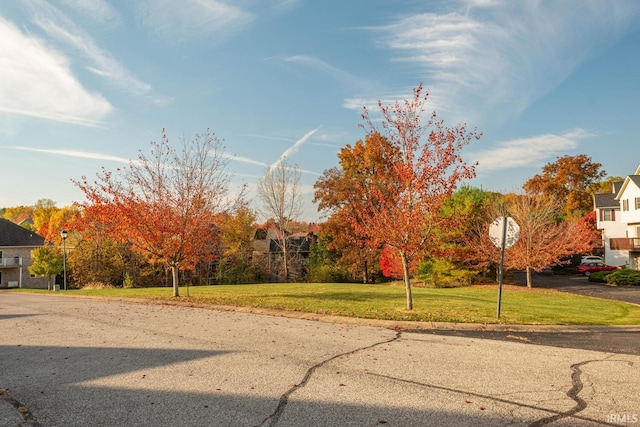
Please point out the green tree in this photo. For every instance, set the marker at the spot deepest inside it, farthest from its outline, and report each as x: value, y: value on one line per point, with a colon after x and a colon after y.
x: 323, y: 263
x: 47, y: 262
x: 606, y: 186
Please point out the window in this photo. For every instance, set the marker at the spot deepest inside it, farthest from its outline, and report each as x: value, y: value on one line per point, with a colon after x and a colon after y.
x: 607, y: 215
x: 637, y: 202
x: 625, y: 205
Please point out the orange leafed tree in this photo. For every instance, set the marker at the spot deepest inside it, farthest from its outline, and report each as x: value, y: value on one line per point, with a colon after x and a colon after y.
x: 571, y: 178
x: 415, y: 165
x: 164, y: 204
x: 546, y: 239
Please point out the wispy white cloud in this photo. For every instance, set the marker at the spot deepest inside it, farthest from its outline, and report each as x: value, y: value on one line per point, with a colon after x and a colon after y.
x: 189, y: 19
x: 503, y: 55
x: 527, y: 152
x: 336, y: 73
x: 97, y: 10
x: 60, y: 27
x: 75, y: 153
x: 37, y: 81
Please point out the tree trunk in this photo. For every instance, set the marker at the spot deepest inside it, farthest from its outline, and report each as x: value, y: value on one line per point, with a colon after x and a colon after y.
x: 407, y: 281
x: 365, y: 272
x: 285, y: 261
x: 174, y: 278
x: 528, y: 277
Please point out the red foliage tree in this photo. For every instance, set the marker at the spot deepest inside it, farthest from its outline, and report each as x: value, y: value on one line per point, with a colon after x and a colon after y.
x: 164, y: 205
x: 394, y: 184
x: 390, y: 263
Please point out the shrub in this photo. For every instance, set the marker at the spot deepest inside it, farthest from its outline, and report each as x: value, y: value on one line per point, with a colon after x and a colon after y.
x: 442, y: 273
x: 128, y: 281
x: 599, y: 276
x: 98, y: 285
x: 624, y: 277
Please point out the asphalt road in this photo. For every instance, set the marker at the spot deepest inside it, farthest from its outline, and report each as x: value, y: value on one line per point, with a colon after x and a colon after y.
x: 84, y: 362
x: 617, y: 340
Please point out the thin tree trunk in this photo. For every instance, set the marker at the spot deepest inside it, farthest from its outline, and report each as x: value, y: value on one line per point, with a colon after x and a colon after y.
x: 407, y: 281
x: 285, y: 261
x: 365, y: 272
x: 174, y: 278
x: 528, y: 277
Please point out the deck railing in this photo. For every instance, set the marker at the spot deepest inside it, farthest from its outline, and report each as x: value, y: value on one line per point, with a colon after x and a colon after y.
x: 625, y: 243
x: 10, y: 262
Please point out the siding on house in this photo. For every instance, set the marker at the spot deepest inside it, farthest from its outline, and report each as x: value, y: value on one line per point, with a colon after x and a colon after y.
x: 16, y: 244
x: 609, y: 222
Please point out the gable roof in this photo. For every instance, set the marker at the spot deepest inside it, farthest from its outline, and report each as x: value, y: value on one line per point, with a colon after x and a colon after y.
x: 617, y: 185
x: 631, y: 178
x: 13, y: 235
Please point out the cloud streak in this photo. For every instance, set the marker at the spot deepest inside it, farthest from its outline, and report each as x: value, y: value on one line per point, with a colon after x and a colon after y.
x: 189, y: 19
x: 99, y: 11
x: 37, y: 81
x: 78, y: 154
x: 503, y: 55
x: 294, y: 148
x: 339, y: 75
x: 60, y: 27
x: 526, y: 152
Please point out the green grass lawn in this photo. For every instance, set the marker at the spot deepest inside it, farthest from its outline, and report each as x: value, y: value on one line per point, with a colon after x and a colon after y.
x: 475, y: 304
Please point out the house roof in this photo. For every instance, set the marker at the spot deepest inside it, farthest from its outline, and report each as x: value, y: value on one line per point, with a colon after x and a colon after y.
x: 617, y: 185
x: 635, y: 179
x: 299, y: 244
x: 13, y: 235
x: 606, y: 200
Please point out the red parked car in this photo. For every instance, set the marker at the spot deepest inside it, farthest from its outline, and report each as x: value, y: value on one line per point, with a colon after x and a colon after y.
x: 592, y: 267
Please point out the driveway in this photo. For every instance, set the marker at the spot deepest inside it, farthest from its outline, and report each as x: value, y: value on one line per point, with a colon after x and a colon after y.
x: 85, y: 362
x: 579, y: 284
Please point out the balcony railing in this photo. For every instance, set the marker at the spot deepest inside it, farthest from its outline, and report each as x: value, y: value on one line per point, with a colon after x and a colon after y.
x: 625, y: 243
x: 10, y: 262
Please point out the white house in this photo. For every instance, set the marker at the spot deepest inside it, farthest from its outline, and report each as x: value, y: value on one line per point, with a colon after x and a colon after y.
x: 609, y: 222
x: 629, y: 201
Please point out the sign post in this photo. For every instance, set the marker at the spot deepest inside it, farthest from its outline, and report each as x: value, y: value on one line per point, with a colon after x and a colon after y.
x: 504, y: 233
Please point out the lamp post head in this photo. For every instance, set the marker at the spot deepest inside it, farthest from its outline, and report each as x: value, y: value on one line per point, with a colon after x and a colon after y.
x: 63, y: 234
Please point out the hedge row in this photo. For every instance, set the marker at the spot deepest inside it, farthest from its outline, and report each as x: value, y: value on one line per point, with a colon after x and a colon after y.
x: 624, y: 277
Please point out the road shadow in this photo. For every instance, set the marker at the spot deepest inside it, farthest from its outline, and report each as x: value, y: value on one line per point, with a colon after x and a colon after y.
x: 52, y: 384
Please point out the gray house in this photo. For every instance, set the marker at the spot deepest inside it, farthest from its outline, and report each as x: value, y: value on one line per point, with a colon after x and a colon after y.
x: 16, y: 244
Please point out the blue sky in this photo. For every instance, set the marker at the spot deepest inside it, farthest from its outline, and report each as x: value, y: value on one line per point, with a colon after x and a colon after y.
x: 87, y: 83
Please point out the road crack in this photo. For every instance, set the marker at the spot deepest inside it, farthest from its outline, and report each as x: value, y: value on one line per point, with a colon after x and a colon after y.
x: 25, y: 413
x: 467, y: 393
x: 272, y: 419
x: 573, y: 393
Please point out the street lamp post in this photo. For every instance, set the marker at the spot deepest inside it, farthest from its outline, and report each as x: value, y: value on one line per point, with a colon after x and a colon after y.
x: 63, y: 234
